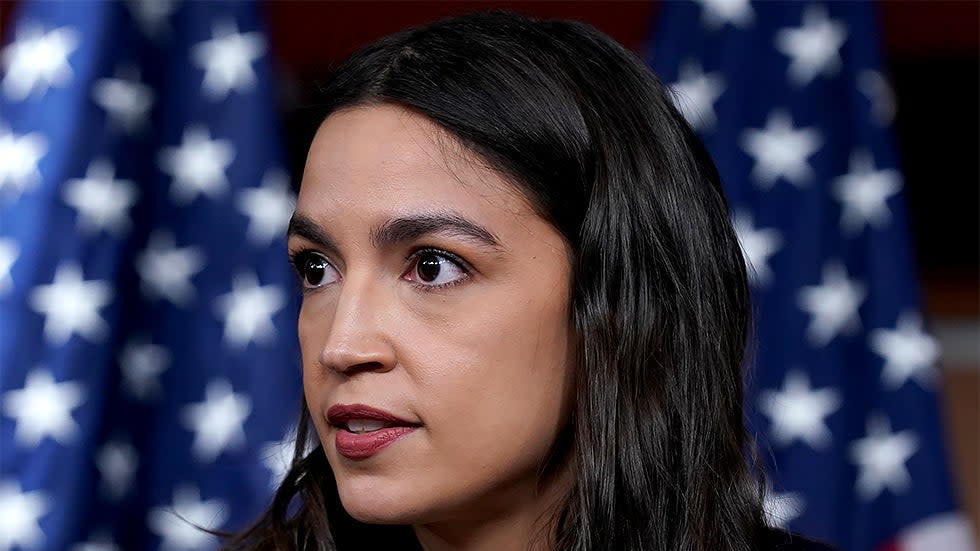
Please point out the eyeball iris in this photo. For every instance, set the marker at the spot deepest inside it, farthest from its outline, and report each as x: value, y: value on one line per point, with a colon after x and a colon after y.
x: 429, y: 266
x: 313, y: 270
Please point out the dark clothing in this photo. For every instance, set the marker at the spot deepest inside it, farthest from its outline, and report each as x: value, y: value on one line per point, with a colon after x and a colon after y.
x: 779, y: 540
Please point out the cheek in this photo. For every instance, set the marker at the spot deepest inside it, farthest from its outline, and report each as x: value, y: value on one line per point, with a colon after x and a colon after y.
x: 488, y: 380
x: 496, y: 386
x: 310, y: 329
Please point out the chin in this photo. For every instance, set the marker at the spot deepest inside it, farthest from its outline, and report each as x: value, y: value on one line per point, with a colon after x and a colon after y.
x: 377, y: 502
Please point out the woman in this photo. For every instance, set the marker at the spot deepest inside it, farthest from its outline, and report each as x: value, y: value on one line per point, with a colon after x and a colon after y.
x: 524, y: 313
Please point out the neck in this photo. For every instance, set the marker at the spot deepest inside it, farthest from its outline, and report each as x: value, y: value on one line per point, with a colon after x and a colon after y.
x: 524, y: 521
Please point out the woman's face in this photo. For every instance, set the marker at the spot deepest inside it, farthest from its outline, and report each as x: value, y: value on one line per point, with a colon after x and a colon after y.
x: 435, y: 293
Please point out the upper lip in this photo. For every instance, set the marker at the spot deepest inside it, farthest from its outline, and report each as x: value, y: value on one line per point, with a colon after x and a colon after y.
x: 339, y: 414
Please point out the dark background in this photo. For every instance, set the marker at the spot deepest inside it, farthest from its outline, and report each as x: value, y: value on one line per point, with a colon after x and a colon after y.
x: 932, y: 53
x: 931, y: 48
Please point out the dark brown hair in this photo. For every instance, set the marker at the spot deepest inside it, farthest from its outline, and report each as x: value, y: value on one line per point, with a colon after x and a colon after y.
x: 660, y: 296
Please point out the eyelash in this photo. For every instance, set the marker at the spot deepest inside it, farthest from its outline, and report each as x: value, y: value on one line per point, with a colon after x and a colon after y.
x: 297, y: 258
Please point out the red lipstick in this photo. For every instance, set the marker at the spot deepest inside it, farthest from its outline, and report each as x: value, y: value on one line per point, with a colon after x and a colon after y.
x: 354, y: 444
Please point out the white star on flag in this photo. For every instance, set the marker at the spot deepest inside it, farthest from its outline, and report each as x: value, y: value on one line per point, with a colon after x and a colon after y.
x: 19, y: 156
x: 126, y: 100
x: 268, y: 207
x: 71, y: 305
x: 248, y: 309
x: 800, y: 412
x: 881, y: 457
x: 177, y: 524
x: 102, y: 201
x: 197, y: 166
x: 142, y: 363
x: 782, y: 508
x: 716, y: 13
x: 877, y: 89
x: 20, y: 515
x: 166, y: 271
x: 813, y: 48
x: 781, y: 151
x: 227, y: 59
x: 218, y: 421
x: 99, y: 542
x: 277, y: 457
x: 695, y: 93
x: 37, y: 60
x: 757, y: 246
x: 117, y: 462
x: 863, y: 193
x: 908, y: 351
x: 152, y: 15
x: 43, y: 408
x: 9, y: 251
x: 832, y: 305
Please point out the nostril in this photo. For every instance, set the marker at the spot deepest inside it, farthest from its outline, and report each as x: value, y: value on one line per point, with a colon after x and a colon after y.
x: 363, y: 366
x: 350, y: 362
x: 355, y: 346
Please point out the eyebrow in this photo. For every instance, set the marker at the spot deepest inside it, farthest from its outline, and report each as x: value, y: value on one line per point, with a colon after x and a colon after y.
x: 399, y: 230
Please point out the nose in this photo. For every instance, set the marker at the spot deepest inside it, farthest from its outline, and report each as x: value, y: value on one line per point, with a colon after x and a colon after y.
x: 357, y: 339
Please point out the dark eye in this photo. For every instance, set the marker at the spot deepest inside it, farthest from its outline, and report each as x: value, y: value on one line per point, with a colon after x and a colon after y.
x: 314, y: 270
x: 433, y: 269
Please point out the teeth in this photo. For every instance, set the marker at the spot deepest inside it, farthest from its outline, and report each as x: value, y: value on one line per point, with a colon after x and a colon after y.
x: 364, y: 425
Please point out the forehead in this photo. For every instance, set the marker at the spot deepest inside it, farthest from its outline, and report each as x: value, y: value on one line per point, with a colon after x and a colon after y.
x: 385, y: 158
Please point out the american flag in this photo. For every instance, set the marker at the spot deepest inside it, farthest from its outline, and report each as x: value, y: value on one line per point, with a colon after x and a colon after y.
x: 149, y: 366
x: 793, y: 104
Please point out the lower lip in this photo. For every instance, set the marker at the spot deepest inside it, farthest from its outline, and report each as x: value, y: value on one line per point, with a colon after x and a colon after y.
x: 362, y: 446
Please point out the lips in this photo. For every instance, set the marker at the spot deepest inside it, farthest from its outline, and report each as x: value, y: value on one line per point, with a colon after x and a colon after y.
x: 338, y: 415
x: 361, y: 445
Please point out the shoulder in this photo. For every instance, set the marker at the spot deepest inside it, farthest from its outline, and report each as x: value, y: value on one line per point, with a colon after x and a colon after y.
x: 779, y: 540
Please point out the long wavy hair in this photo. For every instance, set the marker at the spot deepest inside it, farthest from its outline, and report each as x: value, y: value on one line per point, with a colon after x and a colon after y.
x: 660, y: 299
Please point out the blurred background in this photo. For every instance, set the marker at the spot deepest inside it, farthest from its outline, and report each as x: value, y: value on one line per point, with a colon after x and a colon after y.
x: 149, y: 151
